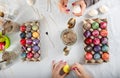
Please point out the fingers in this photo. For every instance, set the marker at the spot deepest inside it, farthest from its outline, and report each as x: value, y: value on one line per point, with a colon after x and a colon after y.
x: 77, y: 72
x: 76, y: 3
x: 63, y: 6
x: 53, y: 64
x: 77, y: 65
x: 76, y: 68
x: 65, y: 3
x: 60, y: 65
x: 56, y: 68
x: 79, y: 68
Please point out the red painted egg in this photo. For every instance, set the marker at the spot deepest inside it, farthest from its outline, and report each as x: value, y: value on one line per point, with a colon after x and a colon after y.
x: 96, y: 41
x: 103, y: 25
x: 22, y: 28
x: 88, y: 41
x: 23, y: 41
x: 88, y: 56
x: 29, y: 55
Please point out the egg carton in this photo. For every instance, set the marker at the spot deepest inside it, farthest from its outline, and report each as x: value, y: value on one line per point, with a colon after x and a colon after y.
x: 30, y: 41
x: 95, y: 40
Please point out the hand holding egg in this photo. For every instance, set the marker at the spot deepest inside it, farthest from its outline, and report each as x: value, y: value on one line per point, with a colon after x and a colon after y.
x: 79, y: 8
x: 76, y: 9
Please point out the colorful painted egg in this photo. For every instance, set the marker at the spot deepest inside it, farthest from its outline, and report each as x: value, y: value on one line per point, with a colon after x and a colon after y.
x: 35, y: 27
x: 88, y: 48
x: 35, y: 34
x: 29, y: 48
x: 23, y: 41
x: 105, y: 48
x: 22, y: 28
x: 105, y: 56
x: 103, y: 25
x: 29, y: 41
x: 95, y: 33
x: 28, y: 28
x: 87, y: 33
x: 36, y: 48
x: 95, y: 25
x: 28, y: 34
x: 23, y: 55
x: 30, y: 55
x: 103, y: 33
x: 88, y: 40
x: 66, y: 68
x: 97, y: 56
x: 96, y: 41
x: 36, y: 55
x: 104, y: 40
x: 97, y: 48
x: 36, y: 41
x: 87, y: 26
x: 23, y: 35
x: 88, y: 56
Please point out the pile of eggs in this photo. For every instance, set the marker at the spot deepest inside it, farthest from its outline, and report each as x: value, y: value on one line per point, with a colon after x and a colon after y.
x: 96, y: 41
x: 30, y: 35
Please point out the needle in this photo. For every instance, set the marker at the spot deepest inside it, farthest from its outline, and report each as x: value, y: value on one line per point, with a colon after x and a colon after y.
x: 51, y: 42
x: 50, y: 39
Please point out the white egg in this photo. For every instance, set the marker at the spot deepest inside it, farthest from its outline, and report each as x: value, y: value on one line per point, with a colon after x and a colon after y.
x: 93, y: 12
x: 76, y: 9
x: 103, y: 9
x: 31, y: 2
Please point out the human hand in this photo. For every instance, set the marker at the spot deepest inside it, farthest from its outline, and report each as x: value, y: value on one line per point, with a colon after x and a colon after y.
x: 80, y: 71
x: 82, y: 5
x: 56, y: 68
x: 63, y: 6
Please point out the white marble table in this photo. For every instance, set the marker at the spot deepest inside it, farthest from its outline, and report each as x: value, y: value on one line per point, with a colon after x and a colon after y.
x: 54, y: 23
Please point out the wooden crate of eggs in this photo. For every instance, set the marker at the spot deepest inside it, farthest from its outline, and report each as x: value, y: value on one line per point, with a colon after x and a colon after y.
x: 96, y: 40
x: 30, y: 41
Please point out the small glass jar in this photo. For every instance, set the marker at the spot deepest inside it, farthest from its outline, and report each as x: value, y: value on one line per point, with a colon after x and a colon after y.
x: 68, y: 37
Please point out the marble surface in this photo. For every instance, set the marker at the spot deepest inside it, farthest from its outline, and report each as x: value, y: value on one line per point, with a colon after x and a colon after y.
x: 54, y: 23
